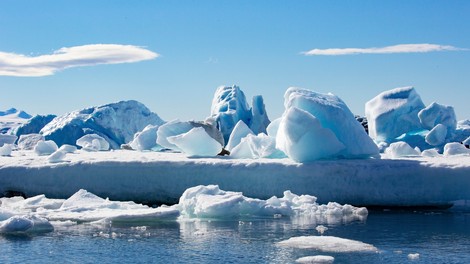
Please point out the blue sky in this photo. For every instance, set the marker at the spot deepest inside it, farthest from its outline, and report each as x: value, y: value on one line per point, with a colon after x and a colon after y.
x: 195, y: 46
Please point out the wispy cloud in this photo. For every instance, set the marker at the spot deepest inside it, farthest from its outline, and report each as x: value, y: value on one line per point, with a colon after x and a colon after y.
x: 12, y: 64
x: 402, y: 48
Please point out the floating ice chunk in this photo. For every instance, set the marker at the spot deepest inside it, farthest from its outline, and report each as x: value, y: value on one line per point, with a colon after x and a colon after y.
x: 25, y: 224
x: 93, y: 142
x: 229, y: 106
x: 27, y: 142
x: 240, y: 131
x: 302, y: 137
x: 255, y: 147
x: 430, y: 153
x: 145, y: 139
x: 196, y: 143
x: 260, y: 120
x: 436, y: 114
x: 333, y: 114
x: 413, y: 256
x: 68, y: 148
x: 7, y: 139
x: 393, y: 113
x: 6, y: 150
x: 321, y: 229
x: 45, y: 147
x: 455, y: 148
x: 437, y: 135
x: 273, y: 127
x: 400, y: 149
x: 319, y: 259
x: 328, y: 244
x: 177, y: 127
x: 57, y: 156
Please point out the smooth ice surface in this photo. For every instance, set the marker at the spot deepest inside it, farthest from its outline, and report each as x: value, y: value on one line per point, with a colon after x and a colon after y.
x: 273, y: 127
x: 196, y: 143
x: 430, y: 153
x: 393, y: 113
x: 145, y: 139
x: 45, y: 147
x: 437, y: 135
x: 455, y: 148
x: 334, y: 115
x: 400, y: 149
x: 116, y: 122
x: 27, y: 142
x: 7, y: 139
x: 260, y: 120
x: 93, y: 142
x: 328, y: 244
x: 68, y: 148
x: 57, y: 156
x: 177, y: 127
x: 316, y: 259
x: 435, y: 114
x: 255, y: 147
x: 6, y: 149
x: 302, y: 137
x: 240, y: 131
x: 229, y: 106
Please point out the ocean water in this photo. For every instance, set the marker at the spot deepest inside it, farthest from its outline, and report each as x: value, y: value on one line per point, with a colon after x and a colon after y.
x: 438, y: 237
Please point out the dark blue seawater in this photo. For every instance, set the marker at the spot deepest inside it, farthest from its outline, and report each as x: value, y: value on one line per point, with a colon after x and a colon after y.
x: 441, y: 237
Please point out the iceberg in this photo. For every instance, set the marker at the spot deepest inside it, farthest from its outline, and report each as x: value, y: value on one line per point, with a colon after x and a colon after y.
x: 6, y: 150
x: 11, y: 119
x: 196, y: 143
x: 328, y: 244
x: 455, y: 148
x: 45, y: 147
x: 435, y: 114
x: 256, y: 147
x: 393, y: 113
x: 116, y: 122
x: 93, y: 142
x: 28, y: 141
x: 33, y: 125
x: 145, y: 139
x: 7, y: 139
x: 400, y: 149
x: 260, y: 120
x: 240, y: 131
x: 330, y: 114
x: 437, y: 135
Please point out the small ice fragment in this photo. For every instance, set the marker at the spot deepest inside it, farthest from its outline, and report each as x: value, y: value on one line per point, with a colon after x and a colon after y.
x: 321, y: 229
x: 413, y: 256
x: 5, y: 150
x: 45, y: 147
x: 316, y: 259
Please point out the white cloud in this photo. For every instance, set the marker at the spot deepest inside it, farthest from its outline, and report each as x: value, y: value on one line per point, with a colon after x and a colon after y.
x: 402, y: 48
x: 12, y: 64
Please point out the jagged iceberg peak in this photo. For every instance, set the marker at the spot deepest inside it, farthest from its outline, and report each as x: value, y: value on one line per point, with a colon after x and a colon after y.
x: 314, y: 120
x: 33, y: 125
x: 393, y: 113
x: 230, y: 106
x: 115, y: 122
x: 13, y: 112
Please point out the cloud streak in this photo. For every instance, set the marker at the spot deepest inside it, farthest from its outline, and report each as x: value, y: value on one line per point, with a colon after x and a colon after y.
x: 402, y: 48
x: 12, y: 64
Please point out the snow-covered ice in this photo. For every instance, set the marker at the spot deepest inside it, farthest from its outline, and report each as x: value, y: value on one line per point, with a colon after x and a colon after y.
x: 33, y: 125
x: 145, y: 139
x: 12, y: 118
x: 255, y: 147
x: 437, y: 135
x: 240, y: 131
x: 400, y: 149
x: 57, y: 156
x: 455, y: 148
x: 7, y: 139
x: 45, y: 147
x: 196, y: 143
x: 28, y: 141
x: 435, y: 114
x: 318, y: 259
x: 93, y: 142
x: 6, y: 149
x: 328, y: 244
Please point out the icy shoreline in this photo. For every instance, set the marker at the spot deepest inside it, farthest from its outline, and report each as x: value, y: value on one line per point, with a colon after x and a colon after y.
x: 158, y: 177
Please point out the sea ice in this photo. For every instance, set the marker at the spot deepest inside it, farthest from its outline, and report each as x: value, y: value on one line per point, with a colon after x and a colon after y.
x: 6, y: 150
x: 273, y: 127
x: 196, y: 143
x: 302, y: 137
x: 57, y: 156
x: 28, y: 141
x: 437, y: 135
x: 435, y: 114
x: 400, y: 149
x: 116, y: 122
x: 328, y: 244
x: 240, y: 131
x: 177, y: 127
x: 145, y: 139
x: 334, y: 115
x: 45, y: 147
x: 256, y: 147
x: 68, y: 148
x: 455, y: 148
x: 93, y: 142
x: 229, y: 106
x: 393, y: 113
x: 413, y: 256
x: 7, y: 139
x: 318, y: 259
x: 25, y: 224
x: 430, y: 153
x: 260, y: 120
x: 33, y: 125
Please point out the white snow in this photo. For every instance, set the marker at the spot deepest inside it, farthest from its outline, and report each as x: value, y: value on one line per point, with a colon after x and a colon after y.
x: 430, y: 153
x: 393, y: 113
x: 162, y: 177
x: 435, y: 114
x: 6, y: 150
x: 93, y: 142
x: 328, y: 244
x: 7, y: 139
x: 27, y: 142
x: 455, y: 148
x: 240, y: 131
x: 400, y: 149
x: 318, y: 259
x: 437, y: 135
x: 57, y: 156
x: 334, y: 115
x: 11, y: 119
x: 68, y: 148
x: 145, y: 139
x: 45, y: 147
x: 196, y: 143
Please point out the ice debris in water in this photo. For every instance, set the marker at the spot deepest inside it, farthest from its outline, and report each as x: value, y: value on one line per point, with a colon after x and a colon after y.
x: 327, y: 244
x: 318, y: 259
x: 413, y: 256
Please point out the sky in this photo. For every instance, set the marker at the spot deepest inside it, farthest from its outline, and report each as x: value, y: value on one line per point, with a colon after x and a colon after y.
x: 60, y: 56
